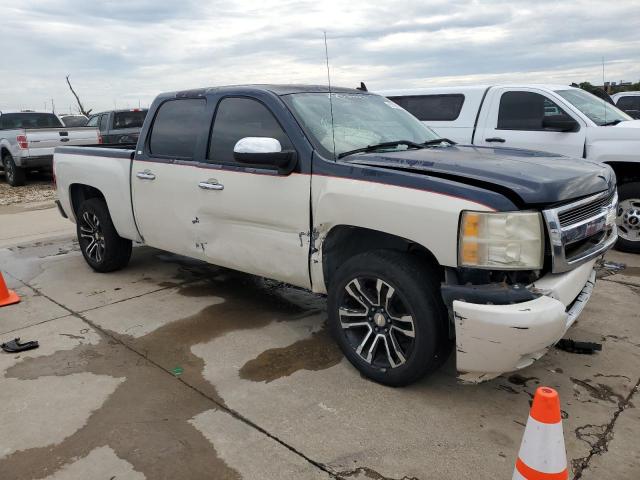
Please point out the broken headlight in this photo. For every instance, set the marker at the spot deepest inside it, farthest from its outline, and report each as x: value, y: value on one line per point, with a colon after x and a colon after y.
x: 501, y: 240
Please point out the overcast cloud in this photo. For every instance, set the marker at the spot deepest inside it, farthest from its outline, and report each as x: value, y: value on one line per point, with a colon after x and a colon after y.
x: 126, y: 52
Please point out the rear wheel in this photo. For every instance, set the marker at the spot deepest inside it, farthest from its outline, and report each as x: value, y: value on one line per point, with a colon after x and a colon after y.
x: 15, y: 175
x: 386, y: 314
x: 628, y: 218
x: 103, y: 249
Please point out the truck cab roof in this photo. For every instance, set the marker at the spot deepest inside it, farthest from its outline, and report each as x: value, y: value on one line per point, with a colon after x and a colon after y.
x: 277, y: 89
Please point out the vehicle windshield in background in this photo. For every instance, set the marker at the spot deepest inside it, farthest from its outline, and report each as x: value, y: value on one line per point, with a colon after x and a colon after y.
x: 359, y: 120
x: 133, y: 119
x: 599, y: 111
x: 10, y: 121
x: 74, y: 120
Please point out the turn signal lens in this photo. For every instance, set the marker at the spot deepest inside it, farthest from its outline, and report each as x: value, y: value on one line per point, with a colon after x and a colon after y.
x: 501, y: 240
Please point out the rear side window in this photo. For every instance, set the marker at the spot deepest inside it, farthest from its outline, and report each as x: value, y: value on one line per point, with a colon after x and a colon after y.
x: 93, y: 121
x: 237, y: 118
x: 133, y: 119
x: 525, y: 111
x: 432, y: 107
x: 103, y: 122
x: 629, y: 103
x: 176, y: 128
x: 29, y: 120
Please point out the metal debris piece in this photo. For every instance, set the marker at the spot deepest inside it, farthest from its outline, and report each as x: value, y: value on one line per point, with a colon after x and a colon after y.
x: 14, y: 346
x: 582, y: 348
x: 606, y: 268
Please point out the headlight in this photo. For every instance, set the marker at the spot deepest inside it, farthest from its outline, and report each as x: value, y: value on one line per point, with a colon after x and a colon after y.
x: 501, y: 240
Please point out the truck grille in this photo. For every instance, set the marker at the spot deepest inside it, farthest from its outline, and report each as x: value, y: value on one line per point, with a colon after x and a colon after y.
x: 582, y: 230
x: 583, y: 212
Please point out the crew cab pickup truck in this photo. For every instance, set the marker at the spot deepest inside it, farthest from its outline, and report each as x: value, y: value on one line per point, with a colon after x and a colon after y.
x: 551, y: 118
x: 27, y: 141
x: 119, y: 126
x: 417, y: 241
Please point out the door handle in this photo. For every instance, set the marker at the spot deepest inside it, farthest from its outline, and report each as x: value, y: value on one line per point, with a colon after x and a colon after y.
x: 211, y: 184
x: 495, y: 139
x: 146, y: 175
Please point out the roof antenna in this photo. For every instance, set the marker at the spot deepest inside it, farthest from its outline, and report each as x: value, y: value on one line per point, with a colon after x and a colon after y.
x: 326, y: 56
x: 603, y: 89
x: 362, y: 87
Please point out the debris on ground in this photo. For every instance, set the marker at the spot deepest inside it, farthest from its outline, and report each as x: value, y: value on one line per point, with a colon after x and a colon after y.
x: 607, y: 268
x: 38, y: 188
x: 15, y: 346
x: 582, y: 348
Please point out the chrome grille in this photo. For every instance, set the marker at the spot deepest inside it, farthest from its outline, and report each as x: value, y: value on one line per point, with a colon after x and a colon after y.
x: 583, y: 212
x: 582, y: 230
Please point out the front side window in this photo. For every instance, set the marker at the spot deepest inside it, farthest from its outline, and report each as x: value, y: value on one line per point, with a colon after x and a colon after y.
x: 237, y: 118
x: 432, y: 107
x: 176, y: 128
x: 358, y: 120
x: 600, y: 112
x: 103, y: 122
x: 526, y: 111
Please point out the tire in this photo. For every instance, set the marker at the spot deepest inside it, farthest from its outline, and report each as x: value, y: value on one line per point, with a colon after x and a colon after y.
x: 103, y: 249
x: 415, y: 297
x: 14, y: 175
x: 628, y: 219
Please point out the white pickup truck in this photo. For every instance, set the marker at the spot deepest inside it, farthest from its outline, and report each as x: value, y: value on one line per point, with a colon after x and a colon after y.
x: 551, y: 118
x: 417, y: 241
x: 27, y: 141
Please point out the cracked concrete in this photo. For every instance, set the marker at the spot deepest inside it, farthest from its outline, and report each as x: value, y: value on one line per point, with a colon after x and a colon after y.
x: 183, y: 370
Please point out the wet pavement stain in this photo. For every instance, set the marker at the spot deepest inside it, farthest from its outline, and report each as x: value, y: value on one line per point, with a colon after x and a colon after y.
x: 151, y: 431
x: 317, y: 352
x: 249, y: 303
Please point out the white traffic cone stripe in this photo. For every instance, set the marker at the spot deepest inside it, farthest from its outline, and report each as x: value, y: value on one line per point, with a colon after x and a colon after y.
x: 517, y: 475
x: 542, y: 447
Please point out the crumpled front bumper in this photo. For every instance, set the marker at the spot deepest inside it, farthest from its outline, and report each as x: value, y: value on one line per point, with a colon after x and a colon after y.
x: 493, y: 339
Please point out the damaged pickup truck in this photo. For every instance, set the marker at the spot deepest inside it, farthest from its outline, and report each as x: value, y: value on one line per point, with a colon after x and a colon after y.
x: 420, y: 244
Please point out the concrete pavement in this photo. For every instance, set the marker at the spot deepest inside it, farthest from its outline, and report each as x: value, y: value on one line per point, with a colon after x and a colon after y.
x: 176, y: 369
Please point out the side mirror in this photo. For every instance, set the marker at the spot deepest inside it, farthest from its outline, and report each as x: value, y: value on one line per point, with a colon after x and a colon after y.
x: 559, y: 123
x: 263, y: 152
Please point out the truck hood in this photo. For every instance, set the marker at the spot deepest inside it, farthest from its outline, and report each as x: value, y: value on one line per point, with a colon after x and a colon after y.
x: 628, y: 124
x: 528, y: 178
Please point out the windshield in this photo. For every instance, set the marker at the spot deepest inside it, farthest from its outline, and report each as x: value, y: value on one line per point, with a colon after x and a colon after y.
x: 74, y: 120
x: 359, y: 120
x: 133, y: 119
x: 29, y: 120
x: 599, y: 111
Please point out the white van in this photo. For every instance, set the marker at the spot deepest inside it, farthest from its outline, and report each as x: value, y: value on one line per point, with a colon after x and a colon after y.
x: 551, y: 118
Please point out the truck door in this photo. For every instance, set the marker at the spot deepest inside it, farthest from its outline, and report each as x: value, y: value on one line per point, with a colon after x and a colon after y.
x: 163, y: 182
x: 249, y: 219
x: 521, y: 118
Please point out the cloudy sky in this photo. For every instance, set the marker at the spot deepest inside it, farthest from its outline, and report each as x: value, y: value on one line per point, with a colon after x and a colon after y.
x: 124, y: 52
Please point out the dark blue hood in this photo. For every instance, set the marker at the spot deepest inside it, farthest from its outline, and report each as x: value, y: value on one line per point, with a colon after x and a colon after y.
x: 526, y: 176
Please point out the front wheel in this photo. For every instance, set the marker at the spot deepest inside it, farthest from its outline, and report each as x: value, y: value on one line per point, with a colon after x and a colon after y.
x: 103, y: 249
x: 628, y: 218
x: 387, y: 316
x: 15, y: 175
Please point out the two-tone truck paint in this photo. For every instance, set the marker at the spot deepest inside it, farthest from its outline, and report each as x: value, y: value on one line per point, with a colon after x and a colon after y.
x: 419, y: 244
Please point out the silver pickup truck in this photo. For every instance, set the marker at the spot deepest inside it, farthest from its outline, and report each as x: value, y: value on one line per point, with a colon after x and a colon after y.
x: 27, y: 141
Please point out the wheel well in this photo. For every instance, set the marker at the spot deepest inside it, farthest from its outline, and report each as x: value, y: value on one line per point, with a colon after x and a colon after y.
x: 345, y: 241
x: 3, y: 150
x: 79, y: 193
x: 625, y: 171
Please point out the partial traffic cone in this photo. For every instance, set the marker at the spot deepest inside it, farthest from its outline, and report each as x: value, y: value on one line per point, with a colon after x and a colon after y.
x: 542, y: 453
x: 7, y: 297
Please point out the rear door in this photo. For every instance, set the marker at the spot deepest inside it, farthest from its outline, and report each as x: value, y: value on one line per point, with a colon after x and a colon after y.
x: 255, y: 220
x: 515, y: 119
x: 164, y: 175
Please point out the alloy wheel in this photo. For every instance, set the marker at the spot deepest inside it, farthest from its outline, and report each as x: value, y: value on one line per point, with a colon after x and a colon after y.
x: 377, y: 322
x: 93, y: 237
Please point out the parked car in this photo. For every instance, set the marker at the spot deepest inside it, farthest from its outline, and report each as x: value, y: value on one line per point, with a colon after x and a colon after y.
x: 74, y: 120
x: 28, y: 138
x: 552, y: 118
x: 414, y: 239
x: 119, y: 126
x: 628, y: 102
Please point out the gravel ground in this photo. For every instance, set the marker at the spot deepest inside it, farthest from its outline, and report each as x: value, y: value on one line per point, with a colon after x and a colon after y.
x: 39, y: 188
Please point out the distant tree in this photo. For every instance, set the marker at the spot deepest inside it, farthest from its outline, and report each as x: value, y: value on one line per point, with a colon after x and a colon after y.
x: 80, y: 106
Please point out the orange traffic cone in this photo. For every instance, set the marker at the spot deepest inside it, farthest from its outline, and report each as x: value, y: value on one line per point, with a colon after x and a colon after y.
x: 542, y: 453
x: 7, y: 297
